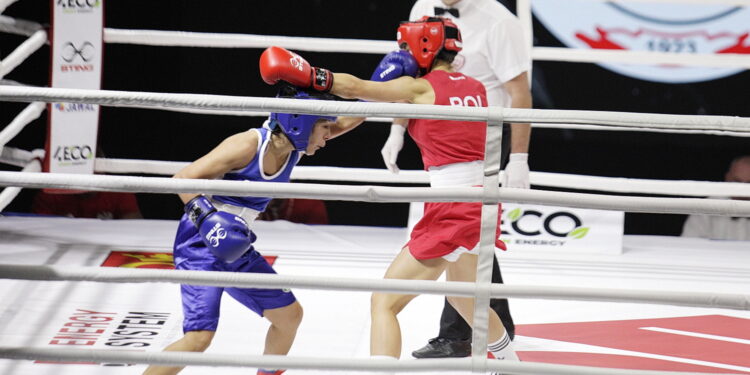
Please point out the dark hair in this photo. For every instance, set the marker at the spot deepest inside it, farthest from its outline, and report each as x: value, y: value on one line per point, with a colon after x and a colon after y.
x: 277, y: 130
x: 450, y: 33
x: 446, y: 56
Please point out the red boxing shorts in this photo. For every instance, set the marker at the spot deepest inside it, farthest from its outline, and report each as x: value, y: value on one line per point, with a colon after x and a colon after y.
x: 448, y: 226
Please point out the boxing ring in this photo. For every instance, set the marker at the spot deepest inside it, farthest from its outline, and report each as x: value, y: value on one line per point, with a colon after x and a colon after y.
x: 659, y: 281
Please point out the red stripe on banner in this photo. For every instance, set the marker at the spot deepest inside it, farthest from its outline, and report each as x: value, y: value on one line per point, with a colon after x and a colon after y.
x: 630, y: 335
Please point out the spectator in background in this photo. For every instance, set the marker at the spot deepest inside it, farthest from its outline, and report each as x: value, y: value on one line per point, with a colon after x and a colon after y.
x: 723, y: 227
x: 94, y: 204
x: 296, y: 210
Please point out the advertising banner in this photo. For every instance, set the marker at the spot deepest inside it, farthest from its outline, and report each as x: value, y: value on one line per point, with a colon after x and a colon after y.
x: 76, y: 63
x: 677, y: 28
x: 548, y: 228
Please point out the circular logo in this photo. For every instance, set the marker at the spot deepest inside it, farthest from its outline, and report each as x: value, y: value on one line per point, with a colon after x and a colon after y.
x: 675, y: 28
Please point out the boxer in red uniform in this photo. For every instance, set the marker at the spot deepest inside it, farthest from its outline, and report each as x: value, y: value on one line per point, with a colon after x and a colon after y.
x: 447, y: 237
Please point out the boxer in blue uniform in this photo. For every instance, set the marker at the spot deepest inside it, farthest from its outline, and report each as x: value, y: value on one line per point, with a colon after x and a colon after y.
x: 214, y: 233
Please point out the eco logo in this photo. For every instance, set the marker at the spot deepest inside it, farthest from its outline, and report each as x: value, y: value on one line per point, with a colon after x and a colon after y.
x: 78, y: 6
x: 532, y: 223
x: 73, y: 154
x: 675, y: 28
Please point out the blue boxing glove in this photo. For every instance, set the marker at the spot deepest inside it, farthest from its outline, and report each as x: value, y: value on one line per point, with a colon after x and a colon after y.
x: 225, y: 234
x: 395, y: 64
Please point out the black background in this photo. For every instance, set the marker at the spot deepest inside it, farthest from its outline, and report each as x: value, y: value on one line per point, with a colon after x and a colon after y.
x: 163, y: 135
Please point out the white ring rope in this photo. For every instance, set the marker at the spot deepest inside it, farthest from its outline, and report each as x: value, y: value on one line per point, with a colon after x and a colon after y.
x: 23, y: 51
x: 687, y: 188
x: 5, y: 3
x: 389, y: 120
x: 642, y: 129
x: 18, y: 26
x: 9, y: 82
x: 534, y: 125
x: 225, y: 40
x: 558, y: 180
x: 376, y: 193
x: 482, y: 365
x: 228, y: 40
x: 563, y: 54
x: 744, y: 3
x: 326, y: 107
x: 492, y: 115
x: 27, y: 115
x: 68, y: 273
x: 17, y: 157
x: 451, y: 288
x: 10, y: 193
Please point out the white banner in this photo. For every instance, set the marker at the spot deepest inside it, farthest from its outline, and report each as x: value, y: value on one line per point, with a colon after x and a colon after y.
x: 76, y: 63
x: 561, y: 229
x: 548, y: 228
x: 678, y: 28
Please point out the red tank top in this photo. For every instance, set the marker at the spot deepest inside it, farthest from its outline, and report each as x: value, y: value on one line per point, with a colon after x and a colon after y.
x: 444, y: 142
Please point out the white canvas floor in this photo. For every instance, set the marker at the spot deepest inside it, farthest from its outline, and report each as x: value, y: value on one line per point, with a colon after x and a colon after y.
x: 336, y: 324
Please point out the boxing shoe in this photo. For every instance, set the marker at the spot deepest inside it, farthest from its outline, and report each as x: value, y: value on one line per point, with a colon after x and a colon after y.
x: 443, y: 347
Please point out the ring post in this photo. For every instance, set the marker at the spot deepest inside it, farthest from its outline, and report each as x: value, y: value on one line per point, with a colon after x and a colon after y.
x: 493, y: 144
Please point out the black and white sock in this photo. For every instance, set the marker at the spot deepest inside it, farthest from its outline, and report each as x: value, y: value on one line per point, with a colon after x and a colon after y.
x: 503, y: 348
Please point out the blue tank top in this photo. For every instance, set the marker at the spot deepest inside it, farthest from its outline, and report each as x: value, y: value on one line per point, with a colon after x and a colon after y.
x: 254, y: 172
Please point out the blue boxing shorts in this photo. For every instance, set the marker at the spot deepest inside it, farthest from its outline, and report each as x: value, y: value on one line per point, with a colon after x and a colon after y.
x: 200, y: 304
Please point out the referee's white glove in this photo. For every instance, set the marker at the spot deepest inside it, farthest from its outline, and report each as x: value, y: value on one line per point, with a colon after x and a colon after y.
x: 517, y: 172
x: 392, y: 146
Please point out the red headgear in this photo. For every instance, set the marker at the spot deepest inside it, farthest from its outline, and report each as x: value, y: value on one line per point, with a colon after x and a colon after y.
x: 427, y: 37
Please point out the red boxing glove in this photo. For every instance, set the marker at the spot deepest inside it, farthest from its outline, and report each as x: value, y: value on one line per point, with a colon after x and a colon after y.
x: 278, y: 64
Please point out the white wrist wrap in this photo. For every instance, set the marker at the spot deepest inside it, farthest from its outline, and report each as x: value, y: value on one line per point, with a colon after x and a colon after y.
x: 398, y: 129
x: 519, y: 157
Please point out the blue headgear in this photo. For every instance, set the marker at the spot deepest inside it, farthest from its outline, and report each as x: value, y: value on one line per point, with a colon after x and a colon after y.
x: 297, y: 127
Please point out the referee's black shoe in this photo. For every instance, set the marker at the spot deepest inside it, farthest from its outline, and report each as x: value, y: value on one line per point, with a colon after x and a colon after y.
x: 443, y: 347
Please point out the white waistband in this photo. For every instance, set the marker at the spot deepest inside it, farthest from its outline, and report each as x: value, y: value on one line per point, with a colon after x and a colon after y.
x: 244, y: 212
x: 457, y: 174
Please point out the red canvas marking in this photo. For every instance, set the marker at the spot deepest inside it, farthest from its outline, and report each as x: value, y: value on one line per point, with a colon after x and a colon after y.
x: 628, y: 335
x: 136, y: 259
x: 615, y: 361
